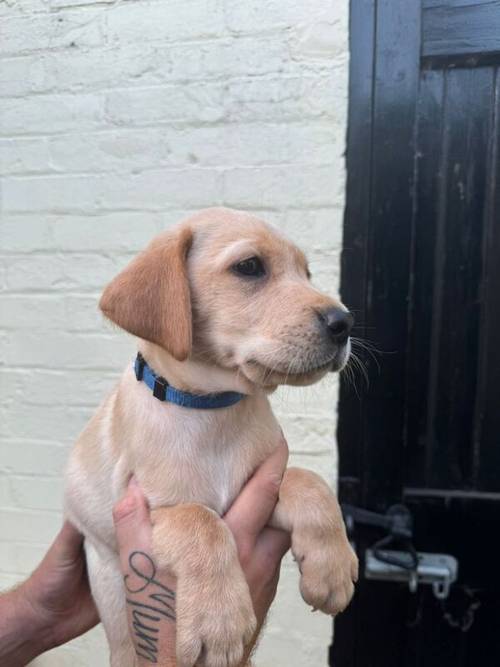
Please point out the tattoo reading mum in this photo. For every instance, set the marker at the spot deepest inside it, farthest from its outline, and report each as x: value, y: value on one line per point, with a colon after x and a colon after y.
x: 151, y: 603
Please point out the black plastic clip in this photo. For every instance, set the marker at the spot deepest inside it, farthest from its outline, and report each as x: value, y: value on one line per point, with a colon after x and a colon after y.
x: 160, y: 388
x: 397, y: 522
x: 139, y: 367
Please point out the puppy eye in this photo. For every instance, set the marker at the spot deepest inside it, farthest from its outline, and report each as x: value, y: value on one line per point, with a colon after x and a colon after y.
x: 251, y: 267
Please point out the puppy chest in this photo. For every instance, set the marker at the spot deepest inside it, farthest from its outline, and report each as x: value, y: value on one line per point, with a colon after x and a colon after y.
x: 211, y: 478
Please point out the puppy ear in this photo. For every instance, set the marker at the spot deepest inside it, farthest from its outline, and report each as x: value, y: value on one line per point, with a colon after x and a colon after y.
x: 150, y: 298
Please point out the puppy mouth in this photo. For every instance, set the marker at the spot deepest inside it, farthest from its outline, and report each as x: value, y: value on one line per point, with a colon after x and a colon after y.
x: 296, y: 373
x: 274, y: 371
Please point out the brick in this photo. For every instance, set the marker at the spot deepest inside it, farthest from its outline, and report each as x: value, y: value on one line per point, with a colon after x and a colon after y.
x: 309, y: 434
x: 241, y: 143
x: 24, y: 234
x: 288, y: 185
x: 254, y: 144
x: 82, y: 314
x: 45, y: 31
x: 76, y: 654
x: 31, y: 456
x: 64, y: 388
x: 55, y: 423
x: 147, y: 64
x: 24, y: 156
x: 313, y: 402
x: 108, y: 351
x: 258, y: 15
x: 297, y: 649
x: 10, y: 8
x: 18, y: 312
x: 283, y: 99
x: 61, y: 272
x: 77, y: 313
x: 200, y: 103
x: 20, y: 558
x: 321, y: 40
x: 325, y: 277
x: 9, y: 580
x: 228, y: 57
x: 5, y: 497
x: 63, y: 4
x: 37, y: 493
x: 155, y: 189
x: 320, y: 229
x: 289, y: 605
x: 324, y: 465
x: 112, y: 150
x: 23, y: 75
x: 159, y: 21
x: 50, y: 72
x: 3, y: 275
x: 125, y: 232
x: 28, y: 525
x: 29, y: 116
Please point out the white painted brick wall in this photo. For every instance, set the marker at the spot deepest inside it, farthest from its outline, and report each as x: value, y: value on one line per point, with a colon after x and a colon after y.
x: 116, y: 119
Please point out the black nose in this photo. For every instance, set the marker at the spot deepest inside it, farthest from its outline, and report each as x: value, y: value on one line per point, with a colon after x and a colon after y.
x: 338, y: 323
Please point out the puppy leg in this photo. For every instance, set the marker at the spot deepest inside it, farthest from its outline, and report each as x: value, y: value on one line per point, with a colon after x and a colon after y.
x: 106, y: 583
x: 215, y: 617
x: 328, y: 565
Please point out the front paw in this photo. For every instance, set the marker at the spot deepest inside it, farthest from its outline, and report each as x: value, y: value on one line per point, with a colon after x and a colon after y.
x: 215, y: 620
x: 328, y: 567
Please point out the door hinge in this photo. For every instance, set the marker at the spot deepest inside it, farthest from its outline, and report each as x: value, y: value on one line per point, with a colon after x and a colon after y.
x: 383, y: 562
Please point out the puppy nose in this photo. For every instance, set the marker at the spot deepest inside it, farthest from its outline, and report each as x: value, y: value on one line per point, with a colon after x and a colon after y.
x: 338, y: 322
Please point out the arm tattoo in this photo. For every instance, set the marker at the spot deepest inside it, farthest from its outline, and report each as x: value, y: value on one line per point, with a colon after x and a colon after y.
x: 157, y: 603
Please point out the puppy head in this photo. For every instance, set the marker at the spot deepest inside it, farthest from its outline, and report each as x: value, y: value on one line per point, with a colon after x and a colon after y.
x: 226, y: 288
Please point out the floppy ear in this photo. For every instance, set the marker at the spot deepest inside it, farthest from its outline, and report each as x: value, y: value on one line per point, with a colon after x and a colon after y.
x: 150, y: 297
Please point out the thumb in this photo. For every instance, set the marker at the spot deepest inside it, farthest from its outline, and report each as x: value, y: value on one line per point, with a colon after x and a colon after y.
x: 252, y: 509
x: 132, y: 522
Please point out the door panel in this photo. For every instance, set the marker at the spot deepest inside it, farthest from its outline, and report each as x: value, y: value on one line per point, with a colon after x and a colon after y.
x: 452, y: 151
x: 421, y: 270
x: 454, y: 28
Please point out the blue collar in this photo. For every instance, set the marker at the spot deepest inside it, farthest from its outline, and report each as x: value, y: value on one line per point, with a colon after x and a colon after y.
x: 164, y: 392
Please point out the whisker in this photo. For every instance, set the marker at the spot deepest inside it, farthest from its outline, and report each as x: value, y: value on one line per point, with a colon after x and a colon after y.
x: 356, y: 363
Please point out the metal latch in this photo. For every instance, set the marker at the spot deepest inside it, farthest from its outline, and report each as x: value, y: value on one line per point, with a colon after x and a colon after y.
x: 438, y: 570
x: 386, y: 562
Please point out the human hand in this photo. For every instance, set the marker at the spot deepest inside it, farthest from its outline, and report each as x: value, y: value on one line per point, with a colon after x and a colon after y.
x: 150, y: 595
x: 260, y: 549
x: 50, y: 608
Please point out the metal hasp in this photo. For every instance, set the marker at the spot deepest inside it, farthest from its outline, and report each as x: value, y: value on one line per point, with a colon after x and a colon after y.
x: 384, y: 561
x: 438, y: 570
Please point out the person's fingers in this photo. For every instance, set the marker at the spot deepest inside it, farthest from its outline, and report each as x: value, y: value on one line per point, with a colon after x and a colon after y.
x: 263, y: 569
x: 272, y: 544
x: 254, y: 506
x: 132, y: 522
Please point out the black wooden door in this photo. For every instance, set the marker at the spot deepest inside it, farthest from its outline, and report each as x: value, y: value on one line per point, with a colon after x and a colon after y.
x: 421, y: 269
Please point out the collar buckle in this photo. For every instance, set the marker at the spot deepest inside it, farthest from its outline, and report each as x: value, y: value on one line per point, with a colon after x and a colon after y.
x: 160, y: 388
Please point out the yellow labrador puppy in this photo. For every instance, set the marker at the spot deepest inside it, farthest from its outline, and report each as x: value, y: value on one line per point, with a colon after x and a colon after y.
x: 224, y: 312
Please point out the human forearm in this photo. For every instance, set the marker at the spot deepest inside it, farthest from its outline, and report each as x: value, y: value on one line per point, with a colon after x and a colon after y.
x: 22, y: 635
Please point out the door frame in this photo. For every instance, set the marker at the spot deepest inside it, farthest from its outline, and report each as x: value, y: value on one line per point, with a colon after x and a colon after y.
x: 375, y: 284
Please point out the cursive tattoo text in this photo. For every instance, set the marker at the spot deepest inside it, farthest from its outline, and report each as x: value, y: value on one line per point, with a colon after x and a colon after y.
x: 150, y: 601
